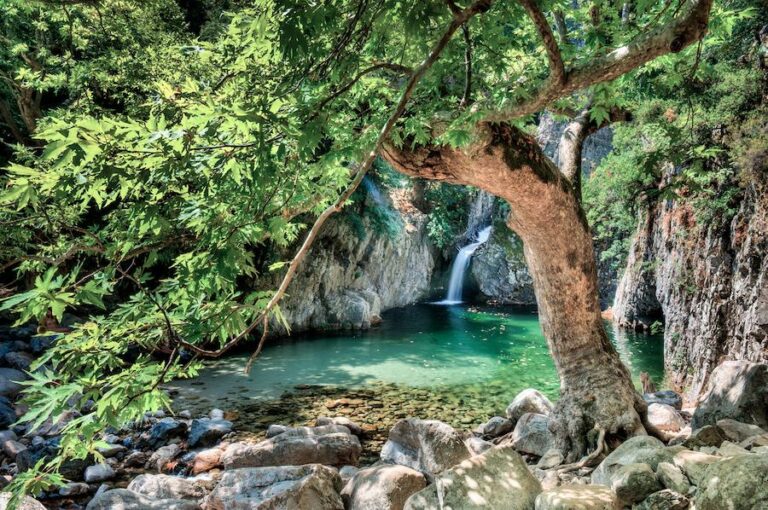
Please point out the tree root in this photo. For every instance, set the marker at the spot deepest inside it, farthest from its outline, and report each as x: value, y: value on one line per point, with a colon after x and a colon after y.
x: 589, y: 459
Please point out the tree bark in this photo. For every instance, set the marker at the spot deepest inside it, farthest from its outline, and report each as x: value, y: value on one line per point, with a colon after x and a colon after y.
x: 595, y: 386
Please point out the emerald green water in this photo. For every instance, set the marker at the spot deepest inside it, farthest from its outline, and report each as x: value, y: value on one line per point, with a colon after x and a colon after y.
x: 489, y: 353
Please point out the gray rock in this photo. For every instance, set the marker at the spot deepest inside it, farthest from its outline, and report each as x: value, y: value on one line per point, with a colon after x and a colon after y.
x: 495, y: 427
x: 9, y: 381
x: 112, y: 450
x: 7, y: 412
x: 528, y: 401
x: 708, y: 435
x: 384, y: 487
x: 476, y: 445
x: 160, y: 458
x: 343, y: 421
x: 672, y: 477
x: 497, y: 478
x: 99, y: 473
x: 347, y: 473
x: 531, y: 435
x: 310, y: 487
x: 74, y: 489
x: 321, y: 430
x: 123, y: 499
x: 424, y: 445
x: 166, y: 487
x: 12, y: 448
x: 665, y: 417
x: 728, y: 449
x: 333, y: 449
x: 737, y: 431
x: 638, y: 449
x: 666, y: 397
x: 634, y: 482
x: 737, y: 390
x: 26, y: 504
x: 578, y: 497
x: 550, y: 459
x: 664, y: 500
x: 206, y: 431
x: 694, y: 464
x: 735, y: 483
x: 275, y: 430
x: 216, y: 414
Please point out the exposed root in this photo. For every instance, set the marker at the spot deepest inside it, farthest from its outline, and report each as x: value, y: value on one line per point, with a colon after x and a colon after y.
x: 589, y: 459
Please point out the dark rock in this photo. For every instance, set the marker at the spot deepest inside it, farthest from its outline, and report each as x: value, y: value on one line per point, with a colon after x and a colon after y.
x: 206, y: 432
x: 664, y: 500
x: 709, y: 435
x: 667, y: 397
x: 9, y: 381
x: 164, y: 430
x: 19, y: 360
x: 7, y: 413
x: 40, y: 344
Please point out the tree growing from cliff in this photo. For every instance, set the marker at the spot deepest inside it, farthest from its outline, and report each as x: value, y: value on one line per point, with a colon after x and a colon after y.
x: 278, y: 120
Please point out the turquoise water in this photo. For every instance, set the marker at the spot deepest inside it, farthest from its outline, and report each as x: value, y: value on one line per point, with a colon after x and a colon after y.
x: 421, y: 346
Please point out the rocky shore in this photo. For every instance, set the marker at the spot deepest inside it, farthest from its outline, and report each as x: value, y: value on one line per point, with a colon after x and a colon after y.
x: 710, y: 457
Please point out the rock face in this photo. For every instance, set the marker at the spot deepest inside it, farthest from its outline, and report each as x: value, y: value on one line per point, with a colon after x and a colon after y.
x: 498, y: 478
x: 354, y: 272
x: 736, y: 482
x: 337, y: 449
x: 425, y: 445
x: 709, y: 283
x: 310, y: 487
x: 500, y: 270
x: 737, y: 390
x: 384, y: 487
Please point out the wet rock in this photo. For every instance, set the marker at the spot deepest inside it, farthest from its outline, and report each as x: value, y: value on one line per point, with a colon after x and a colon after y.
x: 664, y: 417
x: 166, y: 487
x: 737, y: 390
x: 27, y: 504
x: 497, y: 478
x: 737, y: 431
x: 424, y: 445
x: 734, y: 483
x: 40, y: 344
x: 531, y: 435
x: 343, y: 421
x: 477, y: 445
x: 19, y: 360
x: 672, y: 477
x: 495, y: 427
x: 206, y: 460
x: 9, y: 381
x: 332, y: 449
x: 161, y: 458
x: 112, y: 450
x: 709, y: 435
x: 385, y: 487
x: 666, y: 397
x: 216, y: 414
x: 638, y: 449
x: 578, y: 497
x: 99, y: 473
x: 694, y: 464
x: 206, y: 431
x: 7, y: 413
x: 124, y: 499
x: 309, y: 487
x: 528, y: 401
x: 664, y: 500
x: 164, y: 430
x: 634, y: 482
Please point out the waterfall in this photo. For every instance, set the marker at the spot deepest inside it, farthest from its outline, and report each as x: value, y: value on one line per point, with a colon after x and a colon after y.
x: 460, y: 266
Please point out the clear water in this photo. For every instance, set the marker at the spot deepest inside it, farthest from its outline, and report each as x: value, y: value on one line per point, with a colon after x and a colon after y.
x: 498, y: 350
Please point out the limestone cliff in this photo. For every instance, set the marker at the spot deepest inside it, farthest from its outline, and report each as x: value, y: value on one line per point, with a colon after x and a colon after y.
x: 709, y: 283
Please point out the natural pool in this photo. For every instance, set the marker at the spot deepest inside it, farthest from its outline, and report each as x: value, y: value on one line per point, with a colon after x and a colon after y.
x: 448, y: 360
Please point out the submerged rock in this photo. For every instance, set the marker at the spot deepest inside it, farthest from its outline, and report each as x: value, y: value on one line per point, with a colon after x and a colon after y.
x: 497, y: 478
x: 309, y: 487
x: 336, y: 449
x: 424, y: 445
x: 123, y: 499
x: 578, y: 497
x: 385, y: 487
x: 529, y: 401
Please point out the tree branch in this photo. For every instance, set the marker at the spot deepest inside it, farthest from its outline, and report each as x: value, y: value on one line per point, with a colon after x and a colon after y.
x: 556, y: 66
x: 381, y: 65
x: 467, y: 97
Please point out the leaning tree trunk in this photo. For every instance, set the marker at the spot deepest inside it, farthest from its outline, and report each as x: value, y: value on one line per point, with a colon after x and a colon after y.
x: 596, y: 389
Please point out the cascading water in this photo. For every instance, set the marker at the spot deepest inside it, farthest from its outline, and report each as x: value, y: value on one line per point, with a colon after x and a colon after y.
x: 460, y: 265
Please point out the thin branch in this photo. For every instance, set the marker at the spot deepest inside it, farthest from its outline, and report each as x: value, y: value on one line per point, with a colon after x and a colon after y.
x: 467, y: 97
x: 556, y: 66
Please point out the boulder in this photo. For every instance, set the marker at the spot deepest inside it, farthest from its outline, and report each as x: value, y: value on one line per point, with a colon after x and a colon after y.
x: 166, y: 487
x: 531, y: 435
x: 735, y: 483
x: 634, y: 482
x: 309, y: 487
x: 737, y: 432
x: 99, y: 473
x: 497, y: 478
x: 274, y: 430
x: 664, y: 417
x: 26, y: 504
x: 123, y: 499
x: 664, y: 500
x: 322, y: 430
x: 737, y: 390
x: 74, y: 489
x: 9, y: 381
x: 343, y: 421
x: 578, y: 497
x: 384, y: 487
x: 708, y: 435
x: 666, y: 397
x: 284, y: 450
x: 694, y: 464
x: 728, y: 449
x: 206, y: 431
x: 12, y: 448
x: 672, y: 477
x: 477, y: 445
x: 206, y: 460
x: 529, y: 401
x: 552, y: 458
x: 163, y: 456
x: 495, y: 427
x: 347, y: 473
x: 638, y: 449
x: 424, y: 445
x: 163, y: 431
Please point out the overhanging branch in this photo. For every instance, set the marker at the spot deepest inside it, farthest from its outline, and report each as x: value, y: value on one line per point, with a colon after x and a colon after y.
x: 556, y: 66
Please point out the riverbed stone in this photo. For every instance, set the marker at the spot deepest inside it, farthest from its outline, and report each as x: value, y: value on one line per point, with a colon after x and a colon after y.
x: 276, y: 429
x: 531, y: 435
x: 164, y: 430
x: 27, y: 503
x: 9, y: 381
x: 353, y: 427
x: 384, y: 487
x: 498, y: 478
x: 528, y: 401
x: 737, y: 431
x: 424, y: 445
x: 672, y: 477
x: 124, y: 499
x: 578, y: 497
x: 206, y: 460
x: 735, y: 483
x: 99, y: 473
x: 634, y: 482
x: 665, y: 417
x: 166, y: 487
x: 161, y: 458
x: 308, y: 487
x: 335, y: 449
x: 7, y: 413
x: 694, y: 464
x: 638, y: 449
x: 207, y: 431
x: 664, y: 500
x: 737, y: 390
x: 74, y: 489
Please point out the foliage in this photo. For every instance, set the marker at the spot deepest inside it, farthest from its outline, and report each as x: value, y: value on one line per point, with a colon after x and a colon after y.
x: 448, y: 217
